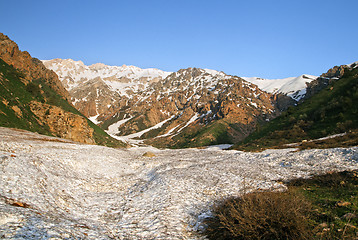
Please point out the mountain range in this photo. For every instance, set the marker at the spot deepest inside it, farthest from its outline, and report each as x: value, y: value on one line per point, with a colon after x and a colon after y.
x: 190, y: 107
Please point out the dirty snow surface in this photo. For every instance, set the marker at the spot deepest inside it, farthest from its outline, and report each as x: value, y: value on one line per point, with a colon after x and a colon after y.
x: 54, y: 188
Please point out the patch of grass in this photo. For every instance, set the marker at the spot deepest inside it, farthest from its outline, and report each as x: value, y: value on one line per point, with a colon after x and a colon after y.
x: 212, y: 134
x: 119, y: 116
x: 192, y: 136
x: 347, y: 140
x: 156, y: 131
x: 334, y: 198
x: 322, y: 207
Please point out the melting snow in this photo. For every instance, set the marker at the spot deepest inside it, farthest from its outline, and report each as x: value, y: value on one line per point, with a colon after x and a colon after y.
x: 77, y: 191
x: 191, y: 120
x: 253, y: 104
x: 113, y: 129
x: 94, y: 119
x: 130, y: 138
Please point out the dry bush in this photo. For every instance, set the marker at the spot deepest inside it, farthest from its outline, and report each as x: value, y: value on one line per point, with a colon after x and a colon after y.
x: 263, y: 215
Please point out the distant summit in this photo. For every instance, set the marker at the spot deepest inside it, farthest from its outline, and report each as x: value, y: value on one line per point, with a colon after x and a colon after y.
x: 294, y: 87
x: 128, y: 78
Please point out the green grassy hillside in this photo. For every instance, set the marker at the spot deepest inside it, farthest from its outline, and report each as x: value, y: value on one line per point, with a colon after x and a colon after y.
x: 333, y: 110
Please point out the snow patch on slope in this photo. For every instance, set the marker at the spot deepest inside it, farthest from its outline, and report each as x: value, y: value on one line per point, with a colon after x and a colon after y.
x: 131, y: 137
x: 350, y: 65
x: 191, y: 120
x: 113, y: 129
x: 94, y: 119
x: 294, y: 87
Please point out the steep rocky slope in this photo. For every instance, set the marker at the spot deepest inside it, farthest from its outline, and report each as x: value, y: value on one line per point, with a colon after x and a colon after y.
x: 31, y: 68
x: 33, y: 98
x: 328, y: 108
x: 200, y: 107
x: 327, y: 78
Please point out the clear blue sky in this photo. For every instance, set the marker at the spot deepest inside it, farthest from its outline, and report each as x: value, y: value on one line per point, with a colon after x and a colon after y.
x: 264, y: 38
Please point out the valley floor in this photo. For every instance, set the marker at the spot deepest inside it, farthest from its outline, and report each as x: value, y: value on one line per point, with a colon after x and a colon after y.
x: 54, y: 188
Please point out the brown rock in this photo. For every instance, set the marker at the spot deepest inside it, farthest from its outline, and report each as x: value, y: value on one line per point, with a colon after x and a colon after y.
x: 63, y: 124
x: 343, y: 204
x: 149, y: 154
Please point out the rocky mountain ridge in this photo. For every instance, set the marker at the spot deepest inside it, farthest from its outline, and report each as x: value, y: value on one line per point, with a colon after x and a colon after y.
x: 32, y: 68
x: 123, y: 79
x: 326, y: 117
x: 331, y: 76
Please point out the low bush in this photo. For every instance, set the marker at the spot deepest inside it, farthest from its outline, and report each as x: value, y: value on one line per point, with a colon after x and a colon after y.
x: 262, y: 215
x: 322, y: 207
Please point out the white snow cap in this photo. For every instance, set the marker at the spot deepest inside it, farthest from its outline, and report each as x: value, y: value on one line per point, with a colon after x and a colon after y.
x: 350, y: 65
x: 294, y: 87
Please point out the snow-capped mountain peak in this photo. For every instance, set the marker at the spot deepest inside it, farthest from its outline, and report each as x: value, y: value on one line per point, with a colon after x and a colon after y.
x: 294, y: 87
x: 353, y: 65
x: 72, y: 73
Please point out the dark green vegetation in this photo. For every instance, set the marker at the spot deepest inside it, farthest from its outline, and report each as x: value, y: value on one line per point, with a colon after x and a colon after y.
x: 323, y: 207
x: 15, y: 93
x: 332, y: 110
x: 15, y: 97
x: 334, y: 198
x: 113, y: 119
x: 214, y: 133
x: 211, y: 134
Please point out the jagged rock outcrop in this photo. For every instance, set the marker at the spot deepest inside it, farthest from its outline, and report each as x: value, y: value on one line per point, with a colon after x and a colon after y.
x: 327, y: 78
x: 283, y: 102
x: 63, y: 124
x: 32, y: 68
x: 99, y: 90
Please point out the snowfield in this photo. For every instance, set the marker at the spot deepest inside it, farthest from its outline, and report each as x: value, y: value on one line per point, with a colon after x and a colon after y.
x: 55, y: 188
